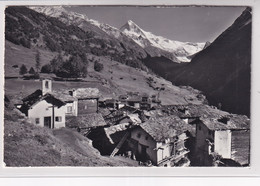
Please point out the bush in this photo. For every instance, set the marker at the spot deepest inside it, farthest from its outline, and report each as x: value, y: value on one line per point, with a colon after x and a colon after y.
x: 23, y: 70
x: 98, y: 66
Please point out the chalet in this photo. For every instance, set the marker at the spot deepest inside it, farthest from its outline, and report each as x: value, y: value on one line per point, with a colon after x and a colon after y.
x: 220, y: 137
x: 44, y: 110
x: 134, y: 101
x: 87, y: 100
x: 145, y: 102
x: 161, y: 140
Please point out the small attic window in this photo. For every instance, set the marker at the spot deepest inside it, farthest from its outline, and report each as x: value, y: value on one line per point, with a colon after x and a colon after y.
x: 139, y: 135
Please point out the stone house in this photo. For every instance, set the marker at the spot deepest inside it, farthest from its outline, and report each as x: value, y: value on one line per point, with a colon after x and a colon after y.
x: 134, y: 101
x: 217, y: 136
x: 161, y: 140
x: 87, y: 100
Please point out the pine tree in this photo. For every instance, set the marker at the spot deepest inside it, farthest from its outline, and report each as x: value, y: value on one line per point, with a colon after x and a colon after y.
x: 56, y: 63
x: 38, y: 63
x: 23, y: 70
x: 31, y: 71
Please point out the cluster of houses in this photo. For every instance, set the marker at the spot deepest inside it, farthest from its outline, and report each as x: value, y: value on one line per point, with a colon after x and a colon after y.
x: 139, y: 127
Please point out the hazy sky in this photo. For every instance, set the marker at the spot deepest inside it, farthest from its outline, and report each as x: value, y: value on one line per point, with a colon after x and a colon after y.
x: 194, y: 24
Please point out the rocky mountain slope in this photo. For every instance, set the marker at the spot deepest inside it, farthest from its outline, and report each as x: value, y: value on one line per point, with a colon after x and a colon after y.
x: 31, y: 29
x: 175, y: 50
x: 221, y: 70
x: 130, y: 34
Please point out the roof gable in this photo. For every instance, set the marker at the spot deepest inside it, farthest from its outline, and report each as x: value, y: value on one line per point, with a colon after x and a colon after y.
x: 49, y: 99
x: 37, y: 96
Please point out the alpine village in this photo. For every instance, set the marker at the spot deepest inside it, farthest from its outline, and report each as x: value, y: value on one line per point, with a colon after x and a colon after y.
x: 83, y: 93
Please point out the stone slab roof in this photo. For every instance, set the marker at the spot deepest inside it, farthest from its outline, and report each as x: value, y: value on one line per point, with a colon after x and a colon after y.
x: 165, y: 127
x: 236, y: 122
x: 85, y: 121
x: 82, y: 93
x: 64, y: 95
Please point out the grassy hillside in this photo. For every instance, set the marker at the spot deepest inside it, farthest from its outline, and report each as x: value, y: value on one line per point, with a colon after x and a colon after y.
x: 18, y: 55
x: 113, y: 80
x: 29, y: 145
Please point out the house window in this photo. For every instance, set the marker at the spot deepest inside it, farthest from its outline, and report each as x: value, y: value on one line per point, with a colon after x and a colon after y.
x: 139, y: 135
x: 199, y: 127
x: 37, y: 120
x: 209, y: 132
x: 58, y: 118
x: 69, y: 109
x: 146, y: 137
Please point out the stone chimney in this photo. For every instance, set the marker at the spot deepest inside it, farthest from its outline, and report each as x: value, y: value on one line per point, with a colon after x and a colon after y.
x: 46, y: 86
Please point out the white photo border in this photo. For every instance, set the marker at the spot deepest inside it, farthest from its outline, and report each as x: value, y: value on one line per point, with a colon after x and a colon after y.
x: 252, y: 171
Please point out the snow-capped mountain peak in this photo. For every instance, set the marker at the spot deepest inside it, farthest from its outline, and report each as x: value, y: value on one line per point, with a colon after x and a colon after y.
x: 61, y: 13
x: 145, y: 39
x: 130, y: 26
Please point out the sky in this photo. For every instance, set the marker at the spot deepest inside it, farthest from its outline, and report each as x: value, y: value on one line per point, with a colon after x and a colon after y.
x: 187, y: 24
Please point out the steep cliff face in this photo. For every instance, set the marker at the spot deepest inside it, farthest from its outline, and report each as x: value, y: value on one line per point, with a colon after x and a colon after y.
x: 221, y: 70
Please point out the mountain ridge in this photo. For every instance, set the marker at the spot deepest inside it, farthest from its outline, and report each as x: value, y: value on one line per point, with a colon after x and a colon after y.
x: 175, y: 50
x: 221, y: 70
x: 180, y: 50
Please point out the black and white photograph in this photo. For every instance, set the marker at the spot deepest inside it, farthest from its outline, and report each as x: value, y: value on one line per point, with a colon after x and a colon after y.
x: 127, y: 86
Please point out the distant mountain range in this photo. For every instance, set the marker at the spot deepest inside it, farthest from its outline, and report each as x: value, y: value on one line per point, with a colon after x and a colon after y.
x: 154, y: 45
